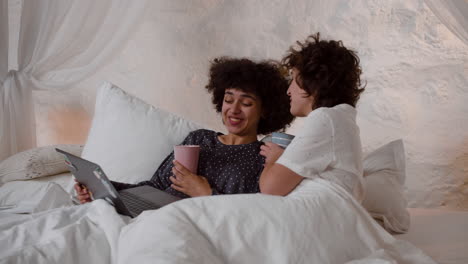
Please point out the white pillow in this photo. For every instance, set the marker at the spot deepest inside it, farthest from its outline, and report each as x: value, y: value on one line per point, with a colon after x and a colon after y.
x: 36, y: 162
x: 130, y: 138
x: 384, y: 178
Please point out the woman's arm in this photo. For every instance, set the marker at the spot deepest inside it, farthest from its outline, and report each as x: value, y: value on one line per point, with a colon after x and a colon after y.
x: 276, y: 179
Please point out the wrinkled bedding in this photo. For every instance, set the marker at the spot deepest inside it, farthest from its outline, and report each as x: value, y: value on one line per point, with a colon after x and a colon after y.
x: 318, y: 223
x: 75, y: 234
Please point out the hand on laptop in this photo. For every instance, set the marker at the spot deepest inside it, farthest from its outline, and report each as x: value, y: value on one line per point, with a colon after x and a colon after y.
x: 186, y: 182
x: 83, y: 194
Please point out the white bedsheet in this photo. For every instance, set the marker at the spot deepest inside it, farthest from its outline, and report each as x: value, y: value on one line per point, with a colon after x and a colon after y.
x: 318, y: 223
x: 76, y: 234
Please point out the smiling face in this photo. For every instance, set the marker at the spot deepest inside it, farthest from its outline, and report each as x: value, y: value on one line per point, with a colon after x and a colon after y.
x: 301, y: 102
x: 241, y: 112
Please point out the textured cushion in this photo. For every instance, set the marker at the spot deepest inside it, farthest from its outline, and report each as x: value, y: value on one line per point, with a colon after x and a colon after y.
x: 36, y: 162
x: 384, y: 177
x: 130, y: 138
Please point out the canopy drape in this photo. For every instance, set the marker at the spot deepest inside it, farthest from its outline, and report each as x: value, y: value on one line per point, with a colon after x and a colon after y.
x: 453, y: 14
x: 61, y: 42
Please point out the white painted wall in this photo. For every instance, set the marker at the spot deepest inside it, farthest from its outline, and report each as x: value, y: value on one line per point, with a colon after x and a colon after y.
x: 416, y: 72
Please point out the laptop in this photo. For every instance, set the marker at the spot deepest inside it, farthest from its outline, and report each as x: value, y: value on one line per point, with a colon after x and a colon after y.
x: 131, y: 202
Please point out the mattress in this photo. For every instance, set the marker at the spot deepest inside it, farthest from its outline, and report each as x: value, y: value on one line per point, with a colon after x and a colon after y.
x: 440, y: 233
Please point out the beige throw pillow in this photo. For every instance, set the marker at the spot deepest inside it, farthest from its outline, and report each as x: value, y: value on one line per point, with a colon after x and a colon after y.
x: 36, y: 162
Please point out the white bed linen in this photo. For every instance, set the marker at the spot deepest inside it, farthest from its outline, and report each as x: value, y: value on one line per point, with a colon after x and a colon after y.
x: 35, y: 195
x: 441, y: 233
x: 76, y: 234
x: 318, y: 223
x: 62, y: 179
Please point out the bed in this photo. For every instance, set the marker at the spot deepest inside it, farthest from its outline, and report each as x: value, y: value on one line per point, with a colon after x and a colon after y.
x: 318, y: 222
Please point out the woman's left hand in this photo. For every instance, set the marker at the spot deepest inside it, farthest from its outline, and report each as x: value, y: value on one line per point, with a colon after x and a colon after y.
x: 271, y: 152
x: 186, y: 182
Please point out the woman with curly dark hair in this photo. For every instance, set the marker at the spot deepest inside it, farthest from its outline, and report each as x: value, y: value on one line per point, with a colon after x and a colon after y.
x: 325, y: 88
x: 252, y: 100
x: 262, y: 80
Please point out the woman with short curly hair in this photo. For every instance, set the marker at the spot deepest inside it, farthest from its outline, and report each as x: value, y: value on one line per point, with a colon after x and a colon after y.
x: 251, y: 97
x: 327, y: 70
x: 324, y: 89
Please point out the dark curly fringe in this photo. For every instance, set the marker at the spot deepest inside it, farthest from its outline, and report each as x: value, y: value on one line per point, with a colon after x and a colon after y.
x: 327, y: 70
x: 264, y: 79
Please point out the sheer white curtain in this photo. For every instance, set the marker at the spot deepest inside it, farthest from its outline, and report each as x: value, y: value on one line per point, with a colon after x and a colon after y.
x: 8, y: 109
x: 61, y: 43
x: 453, y: 14
x: 3, y: 40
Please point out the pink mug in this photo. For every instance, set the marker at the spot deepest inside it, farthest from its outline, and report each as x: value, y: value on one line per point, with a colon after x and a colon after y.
x: 187, y: 155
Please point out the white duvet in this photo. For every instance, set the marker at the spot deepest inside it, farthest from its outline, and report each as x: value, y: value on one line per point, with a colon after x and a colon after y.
x: 317, y: 223
x: 77, y: 234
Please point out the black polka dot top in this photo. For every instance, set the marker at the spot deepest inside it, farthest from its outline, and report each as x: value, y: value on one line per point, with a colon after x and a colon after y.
x: 229, y: 169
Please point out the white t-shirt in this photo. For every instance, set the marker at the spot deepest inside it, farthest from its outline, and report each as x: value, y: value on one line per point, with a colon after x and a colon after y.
x: 328, y: 146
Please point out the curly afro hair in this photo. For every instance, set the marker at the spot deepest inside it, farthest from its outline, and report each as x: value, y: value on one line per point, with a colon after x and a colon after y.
x: 327, y: 70
x: 264, y: 79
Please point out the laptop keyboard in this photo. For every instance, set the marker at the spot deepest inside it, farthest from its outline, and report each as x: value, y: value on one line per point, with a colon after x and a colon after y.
x: 136, y: 204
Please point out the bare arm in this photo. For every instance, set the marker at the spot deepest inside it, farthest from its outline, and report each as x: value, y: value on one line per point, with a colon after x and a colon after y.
x: 276, y: 179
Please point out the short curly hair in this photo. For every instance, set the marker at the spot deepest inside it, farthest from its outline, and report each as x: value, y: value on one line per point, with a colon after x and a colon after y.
x: 264, y: 79
x: 327, y: 70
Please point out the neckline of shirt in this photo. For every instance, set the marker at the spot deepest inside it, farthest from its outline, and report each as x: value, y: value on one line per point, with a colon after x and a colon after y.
x: 236, y: 145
